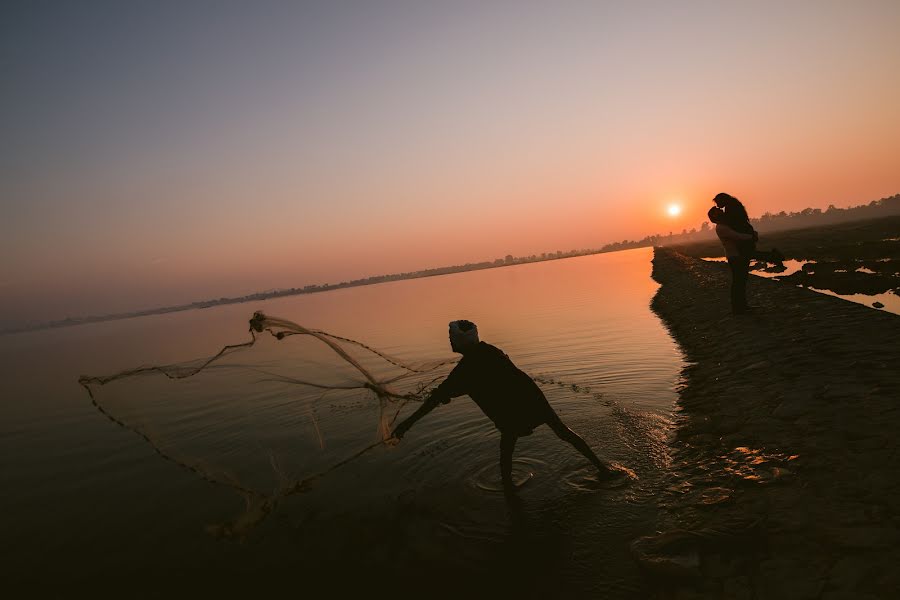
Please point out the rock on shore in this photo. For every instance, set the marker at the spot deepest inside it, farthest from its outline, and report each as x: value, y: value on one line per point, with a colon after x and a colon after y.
x: 786, y: 473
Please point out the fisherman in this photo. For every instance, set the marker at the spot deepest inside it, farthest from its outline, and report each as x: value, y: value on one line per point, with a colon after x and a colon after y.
x: 509, y: 397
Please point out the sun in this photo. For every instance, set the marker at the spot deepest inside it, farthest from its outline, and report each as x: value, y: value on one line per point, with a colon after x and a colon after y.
x: 674, y: 210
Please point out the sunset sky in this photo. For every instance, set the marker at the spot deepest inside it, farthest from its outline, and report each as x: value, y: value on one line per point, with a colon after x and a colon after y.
x: 158, y: 153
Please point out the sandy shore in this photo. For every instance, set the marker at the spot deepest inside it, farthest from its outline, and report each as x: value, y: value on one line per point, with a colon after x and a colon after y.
x: 786, y: 457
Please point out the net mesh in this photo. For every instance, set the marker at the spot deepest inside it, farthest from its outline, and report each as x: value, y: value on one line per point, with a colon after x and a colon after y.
x: 250, y: 418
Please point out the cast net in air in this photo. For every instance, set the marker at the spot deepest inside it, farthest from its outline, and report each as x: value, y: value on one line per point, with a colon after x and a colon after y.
x: 254, y: 417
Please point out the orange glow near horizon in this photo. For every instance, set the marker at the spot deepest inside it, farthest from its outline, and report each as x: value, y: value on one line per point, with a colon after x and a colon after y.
x: 281, y: 147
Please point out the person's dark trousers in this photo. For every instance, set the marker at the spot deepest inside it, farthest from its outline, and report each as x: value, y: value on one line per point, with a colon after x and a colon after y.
x: 740, y: 271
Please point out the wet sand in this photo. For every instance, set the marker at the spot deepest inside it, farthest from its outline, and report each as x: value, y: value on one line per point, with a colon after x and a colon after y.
x: 786, y: 457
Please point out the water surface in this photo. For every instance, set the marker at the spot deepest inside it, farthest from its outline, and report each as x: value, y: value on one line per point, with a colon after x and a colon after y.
x: 90, y: 505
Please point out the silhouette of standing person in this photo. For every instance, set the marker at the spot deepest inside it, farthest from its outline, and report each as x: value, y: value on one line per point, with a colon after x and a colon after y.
x: 508, y: 396
x: 738, y: 262
x: 736, y: 218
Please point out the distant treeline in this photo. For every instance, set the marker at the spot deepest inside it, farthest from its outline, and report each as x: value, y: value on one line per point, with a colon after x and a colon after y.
x: 812, y: 217
x: 808, y: 217
x: 509, y: 259
x: 782, y: 221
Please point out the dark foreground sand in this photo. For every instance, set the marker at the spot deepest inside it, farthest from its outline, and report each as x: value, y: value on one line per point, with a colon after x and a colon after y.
x: 786, y: 456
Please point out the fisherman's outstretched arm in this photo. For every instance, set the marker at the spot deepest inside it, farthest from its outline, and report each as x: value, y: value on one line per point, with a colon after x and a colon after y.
x: 428, y: 405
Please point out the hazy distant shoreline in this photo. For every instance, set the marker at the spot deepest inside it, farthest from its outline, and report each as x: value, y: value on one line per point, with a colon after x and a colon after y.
x: 313, y: 289
x: 782, y: 222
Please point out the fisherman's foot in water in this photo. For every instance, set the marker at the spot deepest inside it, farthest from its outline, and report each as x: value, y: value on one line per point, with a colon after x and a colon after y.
x: 615, y: 473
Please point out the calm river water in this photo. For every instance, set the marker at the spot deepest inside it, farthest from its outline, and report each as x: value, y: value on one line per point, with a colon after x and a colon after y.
x: 88, y: 507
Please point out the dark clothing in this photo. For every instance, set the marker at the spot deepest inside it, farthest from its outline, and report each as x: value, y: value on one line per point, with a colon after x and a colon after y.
x: 736, y: 217
x: 509, y: 397
x: 735, y: 213
x: 740, y: 271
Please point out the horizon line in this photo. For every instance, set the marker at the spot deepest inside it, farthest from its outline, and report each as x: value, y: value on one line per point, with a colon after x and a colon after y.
x: 508, y: 261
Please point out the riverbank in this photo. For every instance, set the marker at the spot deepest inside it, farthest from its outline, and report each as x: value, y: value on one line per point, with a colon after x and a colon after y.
x: 786, y: 459
x: 846, y: 258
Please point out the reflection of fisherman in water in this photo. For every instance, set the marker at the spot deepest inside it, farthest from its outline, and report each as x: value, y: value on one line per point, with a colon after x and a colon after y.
x: 509, y: 397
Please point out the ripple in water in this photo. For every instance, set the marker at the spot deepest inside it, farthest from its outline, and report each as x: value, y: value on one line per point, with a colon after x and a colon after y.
x: 487, y: 478
x: 587, y: 479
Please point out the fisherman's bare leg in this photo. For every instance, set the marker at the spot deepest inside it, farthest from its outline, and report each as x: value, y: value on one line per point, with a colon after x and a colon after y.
x: 566, y: 434
x: 507, y: 445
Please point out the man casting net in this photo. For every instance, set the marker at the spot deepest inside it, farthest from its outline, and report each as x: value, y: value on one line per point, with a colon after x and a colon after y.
x: 254, y: 417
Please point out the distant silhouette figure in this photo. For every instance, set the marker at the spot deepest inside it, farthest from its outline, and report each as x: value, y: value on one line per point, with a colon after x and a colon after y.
x: 508, y: 396
x: 736, y: 218
x: 738, y: 262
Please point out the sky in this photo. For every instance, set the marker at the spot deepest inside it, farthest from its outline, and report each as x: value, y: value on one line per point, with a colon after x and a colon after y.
x: 156, y: 153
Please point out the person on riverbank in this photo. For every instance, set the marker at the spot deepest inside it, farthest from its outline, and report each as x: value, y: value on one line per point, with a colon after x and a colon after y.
x: 738, y: 262
x: 507, y: 395
x: 736, y: 218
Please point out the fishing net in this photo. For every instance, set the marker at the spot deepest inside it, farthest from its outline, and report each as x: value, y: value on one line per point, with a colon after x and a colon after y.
x: 252, y: 417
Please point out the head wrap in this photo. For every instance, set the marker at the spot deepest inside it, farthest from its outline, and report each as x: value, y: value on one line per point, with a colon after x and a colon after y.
x: 463, y: 333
